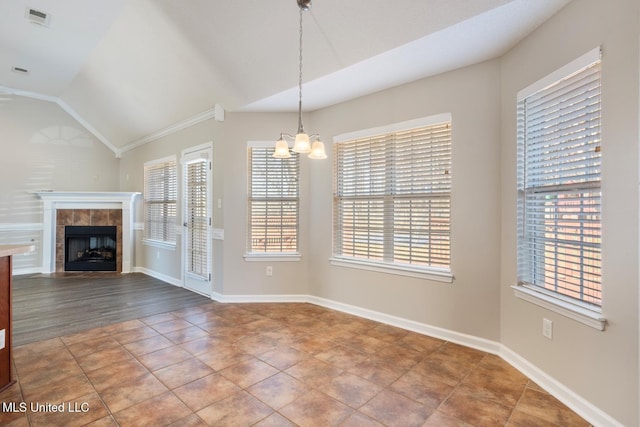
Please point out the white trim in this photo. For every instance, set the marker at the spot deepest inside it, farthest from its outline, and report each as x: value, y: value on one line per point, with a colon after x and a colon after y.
x: 563, y: 307
x: 168, y: 279
x: 272, y: 257
x: 159, y: 244
x: 571, y: 68
x: 24, y: 271
x: 89, y: 127
x: 394, y: 127
x: 54, y: 200
x: 88, y: 196
x: 68, y: 110
x: 594, y: 415
x: 21, y: 226
x: 27, y: 94
x: 217, y: 113
x: 196, y: 153
x: 171, y: 158
x: 176, y: 127
x: 410, y: 325
x: 216, y: 296
x: 438, y: 275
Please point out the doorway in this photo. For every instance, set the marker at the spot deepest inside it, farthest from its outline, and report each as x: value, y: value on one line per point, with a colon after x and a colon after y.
x: 197, y: 219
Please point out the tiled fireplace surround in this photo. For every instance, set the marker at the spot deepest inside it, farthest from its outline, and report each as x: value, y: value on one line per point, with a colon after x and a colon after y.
x: 81, y: 217
x: 62, y: 208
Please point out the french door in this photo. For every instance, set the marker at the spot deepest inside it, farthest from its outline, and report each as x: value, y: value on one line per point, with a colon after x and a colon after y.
x: 197, y: 257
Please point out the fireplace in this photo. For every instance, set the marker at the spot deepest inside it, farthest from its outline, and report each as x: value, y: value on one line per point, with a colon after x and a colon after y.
x: 77, y: 208
x: 90, y: 248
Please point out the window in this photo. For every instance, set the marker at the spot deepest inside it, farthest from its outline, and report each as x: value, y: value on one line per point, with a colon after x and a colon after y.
x: 392, y: 198
x: 559, y: 218
x: 273, y: 202
x: 160, y: 197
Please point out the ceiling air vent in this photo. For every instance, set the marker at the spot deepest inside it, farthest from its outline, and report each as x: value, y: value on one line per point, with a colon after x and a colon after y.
x: 19, y: 70
x: 38, y: 17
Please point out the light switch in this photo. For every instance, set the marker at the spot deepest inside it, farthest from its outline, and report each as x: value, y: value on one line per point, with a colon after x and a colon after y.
x: 2, y: 339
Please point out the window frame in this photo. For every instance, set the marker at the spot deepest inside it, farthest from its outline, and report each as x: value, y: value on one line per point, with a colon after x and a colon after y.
x: 439, y: 274
x: 578, y: 309
x: 170, y: 202
x: 250, y: 253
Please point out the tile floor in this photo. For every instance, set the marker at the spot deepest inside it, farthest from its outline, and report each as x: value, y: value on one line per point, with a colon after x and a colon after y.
x: 267, y: 365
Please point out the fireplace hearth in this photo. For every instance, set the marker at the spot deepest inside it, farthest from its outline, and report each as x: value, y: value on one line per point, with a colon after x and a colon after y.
x: 90, y: 248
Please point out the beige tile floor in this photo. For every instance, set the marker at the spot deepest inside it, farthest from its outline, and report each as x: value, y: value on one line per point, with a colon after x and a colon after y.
x: 268, y: 365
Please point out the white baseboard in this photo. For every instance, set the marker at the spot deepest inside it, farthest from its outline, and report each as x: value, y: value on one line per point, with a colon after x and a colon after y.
x: 257, y: 298
x: 23, y: 271
x: 577, y: 403
x: 159, y: 276
x: 421, y: 328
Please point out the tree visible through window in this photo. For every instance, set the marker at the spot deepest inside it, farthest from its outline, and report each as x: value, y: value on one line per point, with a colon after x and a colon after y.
x: 273, y: 202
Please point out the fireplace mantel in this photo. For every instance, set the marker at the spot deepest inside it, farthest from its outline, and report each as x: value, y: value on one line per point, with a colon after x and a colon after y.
x: 54, y: 200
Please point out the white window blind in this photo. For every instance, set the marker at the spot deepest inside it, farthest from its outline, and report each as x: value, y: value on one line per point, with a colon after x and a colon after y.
x: 559, y: 215
x: 196, y: 173
x: 392, y: 197
x: 160, y: 198
x: 273, y: 202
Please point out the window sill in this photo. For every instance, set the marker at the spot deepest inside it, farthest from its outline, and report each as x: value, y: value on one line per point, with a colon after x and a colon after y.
x: 438, y: 275
x: 561, y: 306
x: 159, y: 244
x: 273, y: 257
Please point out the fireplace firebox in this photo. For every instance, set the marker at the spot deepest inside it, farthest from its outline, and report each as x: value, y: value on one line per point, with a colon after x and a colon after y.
x: 90, y: 248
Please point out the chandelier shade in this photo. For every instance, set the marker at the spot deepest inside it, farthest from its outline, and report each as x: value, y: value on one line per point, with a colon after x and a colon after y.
x: 317, y: 151
x: 282, y: 149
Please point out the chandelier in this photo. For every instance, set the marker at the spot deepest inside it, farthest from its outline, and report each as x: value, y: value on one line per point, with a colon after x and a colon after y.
x: 302, y: 142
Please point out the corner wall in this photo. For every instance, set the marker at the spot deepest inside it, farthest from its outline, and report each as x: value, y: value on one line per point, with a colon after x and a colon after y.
x: 600, y: 366
x: 469, y: 305
x: 43, y: 148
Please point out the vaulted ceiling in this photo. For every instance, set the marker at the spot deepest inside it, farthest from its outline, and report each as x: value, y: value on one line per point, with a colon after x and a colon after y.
x: 128, y: 69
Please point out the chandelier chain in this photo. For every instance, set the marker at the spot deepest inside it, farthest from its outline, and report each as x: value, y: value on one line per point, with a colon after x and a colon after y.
x: 300, y: 126
x: 300, y: 59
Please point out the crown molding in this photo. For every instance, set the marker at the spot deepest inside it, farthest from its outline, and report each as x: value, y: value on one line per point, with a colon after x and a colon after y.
x: 216, y: 112
x: 73, y: 113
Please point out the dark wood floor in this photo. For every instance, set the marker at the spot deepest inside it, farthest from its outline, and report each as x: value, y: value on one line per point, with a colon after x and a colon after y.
x: 47, y: 306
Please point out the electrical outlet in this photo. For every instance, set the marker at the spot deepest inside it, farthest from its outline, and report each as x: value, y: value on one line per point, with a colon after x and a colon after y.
x: 547, y: 328
x: 269, y: 270
x: 2, y: 339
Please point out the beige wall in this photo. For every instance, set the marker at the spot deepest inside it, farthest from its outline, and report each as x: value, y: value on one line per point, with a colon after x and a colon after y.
x: 470, y: 304
x: 600, y: 366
